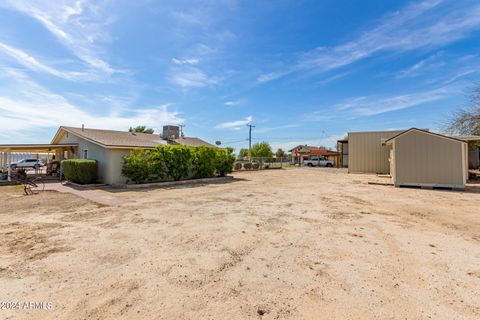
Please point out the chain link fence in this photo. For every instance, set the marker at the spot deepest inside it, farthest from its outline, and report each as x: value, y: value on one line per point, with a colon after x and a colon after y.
x: 262, y: 163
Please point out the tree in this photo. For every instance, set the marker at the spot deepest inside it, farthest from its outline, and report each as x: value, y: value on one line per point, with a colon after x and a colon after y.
x: 261, y: 150
x: 242, y: 153
x: 141, y: 129
x: 280, y: 153
x: 466, y: 121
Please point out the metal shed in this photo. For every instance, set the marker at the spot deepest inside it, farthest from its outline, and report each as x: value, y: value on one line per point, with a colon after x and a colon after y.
x: 425, y: 159
x: 367, y: 154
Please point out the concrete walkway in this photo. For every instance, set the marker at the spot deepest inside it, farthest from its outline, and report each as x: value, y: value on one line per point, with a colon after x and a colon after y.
x: 96, y: 195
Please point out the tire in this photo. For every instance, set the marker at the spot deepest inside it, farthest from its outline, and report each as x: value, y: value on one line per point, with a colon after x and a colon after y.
x: 329, y: 165
x: 309, y: 165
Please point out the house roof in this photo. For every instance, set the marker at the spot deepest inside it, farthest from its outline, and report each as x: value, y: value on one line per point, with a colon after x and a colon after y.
x: 424, y: 131
x: 125, y: 139
x: 191, y: 141
x: 113, y: 138
x: 305, y: 147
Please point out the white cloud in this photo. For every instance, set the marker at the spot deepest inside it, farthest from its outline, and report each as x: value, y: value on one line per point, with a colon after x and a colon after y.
x: 428, y: 24
x: 78, y: 25
x: 368, y: 106
x: 192, y: 77
x: 235, y: 125
x: 32, y: 63
x: 191, y: 61
x: 25, y: 105
x: 233, y: 103
x: 422, y: 66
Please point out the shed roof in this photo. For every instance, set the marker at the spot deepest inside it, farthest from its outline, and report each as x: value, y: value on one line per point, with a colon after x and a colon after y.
x: 423, y: 131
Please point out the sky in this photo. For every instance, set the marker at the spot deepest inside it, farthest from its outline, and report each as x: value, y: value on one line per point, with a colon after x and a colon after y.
x: 302, y: 72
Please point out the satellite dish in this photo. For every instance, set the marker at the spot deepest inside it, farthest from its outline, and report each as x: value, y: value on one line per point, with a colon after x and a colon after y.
x: 218, y: 142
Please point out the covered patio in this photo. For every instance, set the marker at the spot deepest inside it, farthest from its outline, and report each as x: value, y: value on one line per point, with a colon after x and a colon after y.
x: 50, y: 154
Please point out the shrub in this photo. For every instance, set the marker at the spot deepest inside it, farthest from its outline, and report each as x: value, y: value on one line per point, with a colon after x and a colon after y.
x: 255, y: 165
x: 81, y: 171
x: 204, y: 161
x: 238, y: 166
x: 224, y: 161
x: 177, y: 160
x: 247, y: 165
x: 137, y: 165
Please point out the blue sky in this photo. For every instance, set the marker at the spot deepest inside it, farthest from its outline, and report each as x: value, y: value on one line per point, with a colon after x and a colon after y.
x: 300, y: 71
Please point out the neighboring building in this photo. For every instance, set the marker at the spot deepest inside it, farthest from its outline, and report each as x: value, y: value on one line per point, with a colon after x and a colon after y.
x: 473, y: 150
x: 342, y: 147
x: 365, y: 152
x: 422, y: 158
x: 304, y: 152
x: 106, y: 146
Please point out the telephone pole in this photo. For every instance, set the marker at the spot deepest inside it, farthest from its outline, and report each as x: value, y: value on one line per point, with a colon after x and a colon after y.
x: 250, y: 126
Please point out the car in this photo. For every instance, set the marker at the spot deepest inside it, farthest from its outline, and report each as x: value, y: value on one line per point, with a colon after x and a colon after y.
x: 319, y: 161
x: 27, y: 163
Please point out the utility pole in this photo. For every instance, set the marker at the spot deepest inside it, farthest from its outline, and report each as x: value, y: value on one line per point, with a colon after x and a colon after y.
x: 250, y: 126
x: 181, y: 126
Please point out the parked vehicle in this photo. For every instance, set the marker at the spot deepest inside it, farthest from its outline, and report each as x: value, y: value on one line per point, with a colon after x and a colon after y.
x: 27, y: 163
x: 318, y: 161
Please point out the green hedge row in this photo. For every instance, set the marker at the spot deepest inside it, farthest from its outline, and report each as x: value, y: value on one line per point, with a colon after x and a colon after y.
x: 81, y: 171
x: 177, y: 163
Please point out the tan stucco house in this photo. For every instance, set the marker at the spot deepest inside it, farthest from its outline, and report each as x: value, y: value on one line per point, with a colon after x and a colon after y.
x: 106, y: 146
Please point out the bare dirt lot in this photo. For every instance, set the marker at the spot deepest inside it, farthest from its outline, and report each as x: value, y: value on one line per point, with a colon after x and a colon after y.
x: 280, y: 244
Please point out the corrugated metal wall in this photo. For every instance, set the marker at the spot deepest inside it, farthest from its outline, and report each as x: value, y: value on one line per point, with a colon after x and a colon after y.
x: 366, y: 153
x: 425, y: 159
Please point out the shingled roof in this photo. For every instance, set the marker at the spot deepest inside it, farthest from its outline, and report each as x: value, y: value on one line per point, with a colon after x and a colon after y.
x: 125, y: 139
x: 192, y: 142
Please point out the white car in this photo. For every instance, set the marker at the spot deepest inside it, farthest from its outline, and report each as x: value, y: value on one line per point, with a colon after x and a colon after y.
x: 27, y: 163
x: 316, y: 161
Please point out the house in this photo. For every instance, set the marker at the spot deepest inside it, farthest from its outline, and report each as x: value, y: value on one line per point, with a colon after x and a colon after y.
x: 422, y: 158
x: 304, y: 152
x: 106, y: 146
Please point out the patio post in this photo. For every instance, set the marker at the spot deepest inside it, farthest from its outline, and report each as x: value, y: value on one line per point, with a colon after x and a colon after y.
x: 9, y: 155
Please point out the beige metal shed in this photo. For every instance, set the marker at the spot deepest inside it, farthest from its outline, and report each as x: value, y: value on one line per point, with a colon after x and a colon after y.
x: 426, y: 159
x: 367, y: 154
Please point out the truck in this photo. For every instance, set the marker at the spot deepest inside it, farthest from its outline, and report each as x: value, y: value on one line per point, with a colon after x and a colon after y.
x: 318, y: 161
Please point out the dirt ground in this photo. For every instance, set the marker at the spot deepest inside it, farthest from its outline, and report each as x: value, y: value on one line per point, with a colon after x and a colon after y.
x: 304, y: 243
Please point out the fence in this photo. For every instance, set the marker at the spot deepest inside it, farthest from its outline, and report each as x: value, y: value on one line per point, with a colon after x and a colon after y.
x: 262, y: 163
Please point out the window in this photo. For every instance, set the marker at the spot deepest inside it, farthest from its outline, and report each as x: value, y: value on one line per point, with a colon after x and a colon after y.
x: 85, y: 154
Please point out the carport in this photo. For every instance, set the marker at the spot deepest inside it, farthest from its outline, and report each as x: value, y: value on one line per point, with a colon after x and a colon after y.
x: 55, y: 152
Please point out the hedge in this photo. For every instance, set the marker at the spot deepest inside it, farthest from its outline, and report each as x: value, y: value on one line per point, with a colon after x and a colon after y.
x: 81, y: 171
x: 177, y: 162
x: 238, y: 166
